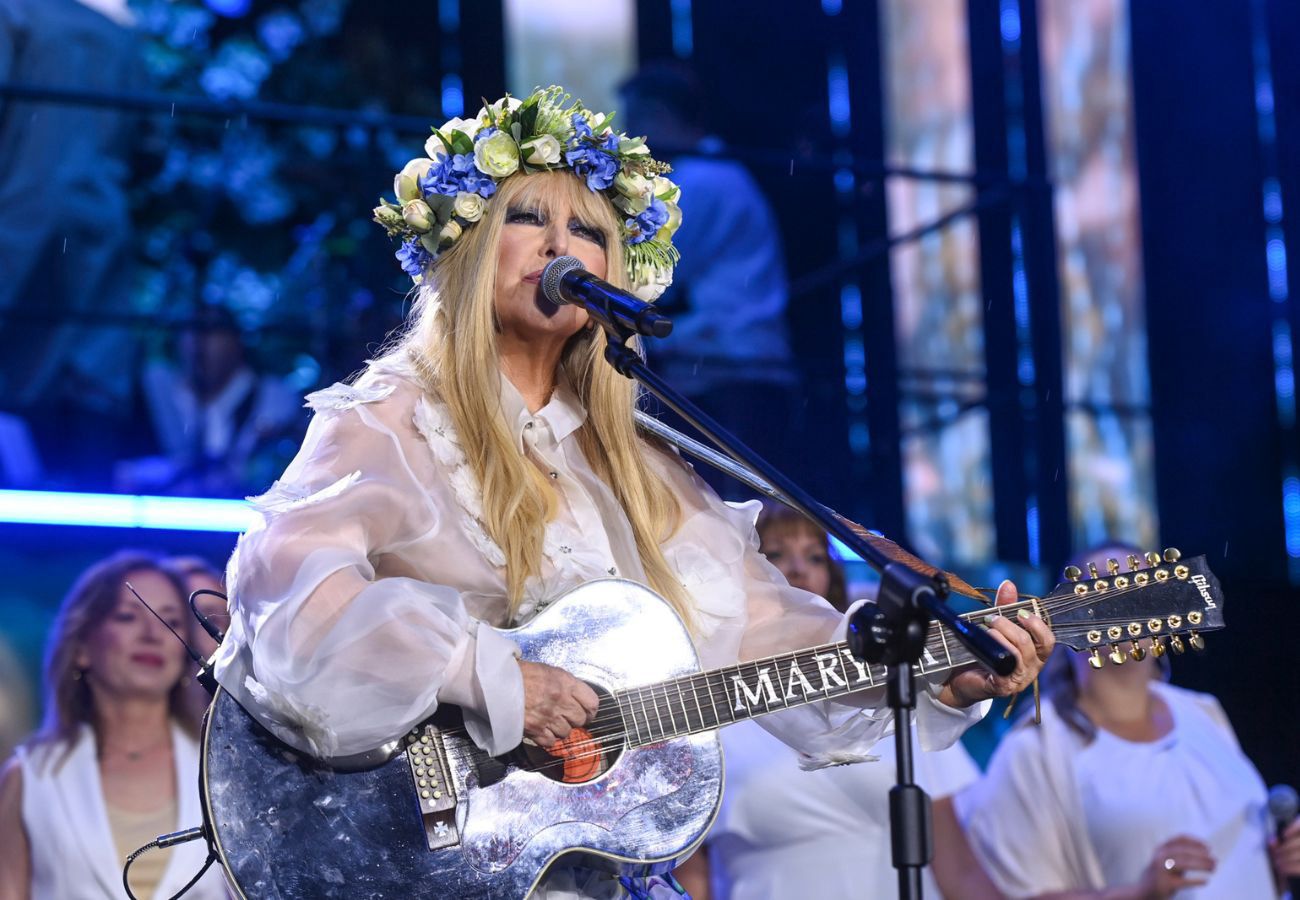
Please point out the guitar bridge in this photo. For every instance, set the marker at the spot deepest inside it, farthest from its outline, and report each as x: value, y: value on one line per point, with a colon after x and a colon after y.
x: 427, y: 759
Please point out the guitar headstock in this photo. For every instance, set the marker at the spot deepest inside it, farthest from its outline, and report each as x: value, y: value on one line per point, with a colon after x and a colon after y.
x: 1159, y: 596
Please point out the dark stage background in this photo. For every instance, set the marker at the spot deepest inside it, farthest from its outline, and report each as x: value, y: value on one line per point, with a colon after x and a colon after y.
x: 277, y: 233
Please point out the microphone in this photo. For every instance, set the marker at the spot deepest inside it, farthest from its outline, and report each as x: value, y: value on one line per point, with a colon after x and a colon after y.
x: 566, y: 280
x: 1283, y: 804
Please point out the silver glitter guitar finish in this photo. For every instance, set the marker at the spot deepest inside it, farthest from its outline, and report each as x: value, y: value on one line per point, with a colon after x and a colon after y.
x: 432, y: 815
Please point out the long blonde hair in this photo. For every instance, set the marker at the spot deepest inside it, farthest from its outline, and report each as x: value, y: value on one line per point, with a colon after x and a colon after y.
x: 452, y: 338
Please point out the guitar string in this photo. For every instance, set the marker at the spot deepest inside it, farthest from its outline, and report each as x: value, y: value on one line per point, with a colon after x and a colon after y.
x: 935, y: 644
x: 662, y: 690
x: 662, y: 694
x: 600, y: 747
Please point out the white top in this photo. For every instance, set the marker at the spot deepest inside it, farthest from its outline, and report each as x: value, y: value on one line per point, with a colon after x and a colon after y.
x: 1056, y: 813
x: 370, y: 557
x: 74, y: 856
x: 784, y: 832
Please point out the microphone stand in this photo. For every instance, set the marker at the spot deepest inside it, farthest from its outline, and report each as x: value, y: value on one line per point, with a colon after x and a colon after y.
x: 892, y: 630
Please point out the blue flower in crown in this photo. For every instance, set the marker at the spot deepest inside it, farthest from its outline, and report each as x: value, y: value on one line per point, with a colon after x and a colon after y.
x: 580, y: 127
x: 466, y: 160
x: 413, y: 257
x: 647, y: 224
x: 595, y: 165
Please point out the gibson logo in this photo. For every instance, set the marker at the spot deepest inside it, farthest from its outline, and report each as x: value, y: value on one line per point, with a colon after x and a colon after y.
x: 1203, y: 586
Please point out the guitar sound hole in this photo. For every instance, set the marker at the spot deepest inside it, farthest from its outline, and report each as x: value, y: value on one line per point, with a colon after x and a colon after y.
x: 587, y: 753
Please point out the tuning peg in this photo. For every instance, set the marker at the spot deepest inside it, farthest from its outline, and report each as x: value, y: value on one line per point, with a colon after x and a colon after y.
x: 1173, y: 554
x: 1176, y: 644
x: 1133, y: 563
x: 1112, y: 566
x: 1092, y: 570
x: 1072, y: 573
x: 1197, y: 642
x: 1137, y: 653
x: 1117, y: 655
x: 1094, y: 658
x: 1158, y: 646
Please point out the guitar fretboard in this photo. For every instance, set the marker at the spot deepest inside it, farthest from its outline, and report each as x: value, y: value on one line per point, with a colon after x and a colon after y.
x: 707, y: 700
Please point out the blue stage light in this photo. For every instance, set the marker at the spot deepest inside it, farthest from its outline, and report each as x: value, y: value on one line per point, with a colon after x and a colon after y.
x: 683, y: 30
x: 453, y: 96
x: 125, y: 511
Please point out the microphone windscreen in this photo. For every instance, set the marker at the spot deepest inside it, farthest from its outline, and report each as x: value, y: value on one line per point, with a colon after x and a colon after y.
x: 554, y: 272
x: 1283, y: 804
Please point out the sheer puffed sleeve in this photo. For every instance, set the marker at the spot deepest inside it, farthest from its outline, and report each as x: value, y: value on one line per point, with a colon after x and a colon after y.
x: 748, y: 611
x: 336, y: 643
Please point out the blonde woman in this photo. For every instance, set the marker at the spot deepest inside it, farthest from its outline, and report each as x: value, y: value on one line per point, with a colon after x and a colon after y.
x: 116, y: 763
x: 489, y: 463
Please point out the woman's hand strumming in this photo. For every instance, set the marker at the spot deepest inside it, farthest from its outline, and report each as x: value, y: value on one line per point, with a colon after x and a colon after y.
x: 554, y: 703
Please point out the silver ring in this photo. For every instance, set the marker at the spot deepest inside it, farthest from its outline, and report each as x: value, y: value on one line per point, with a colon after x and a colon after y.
x: 1170, y: 864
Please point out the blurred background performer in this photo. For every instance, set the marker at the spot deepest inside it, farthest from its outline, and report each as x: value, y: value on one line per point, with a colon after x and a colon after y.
x: 1130, y: 789
x: 729, y: 351
x: 216, y: 420
x: 116, y: 761
x: 68, y: 367
x: 784, y: 831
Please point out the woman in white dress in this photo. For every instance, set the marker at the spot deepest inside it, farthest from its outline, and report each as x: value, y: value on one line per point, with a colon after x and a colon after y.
x: 116, y: 764
x: 785, y: 832
x: 489, y: 463
x: 1130, y: 789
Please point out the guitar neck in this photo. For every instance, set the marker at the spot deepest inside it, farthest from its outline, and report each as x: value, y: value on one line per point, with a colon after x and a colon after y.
x: 708, y: 700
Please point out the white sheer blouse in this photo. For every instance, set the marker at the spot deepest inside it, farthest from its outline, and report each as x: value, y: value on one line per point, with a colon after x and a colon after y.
x: 356, y: 602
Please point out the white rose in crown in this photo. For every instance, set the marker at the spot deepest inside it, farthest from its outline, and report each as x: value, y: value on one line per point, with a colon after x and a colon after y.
x: 407, y: 183
x: 497, y: 155
x: 674, y: 222
x: 633, y: 147
x: 506, y: 104
x: 469, y: 127
x: 434, y: 147
x: 653, y: 281
x: 468, y: 206
x: 449, y: 235
x: 388, y: 217
x: 418, y: 215
x: 634, y: 193
x: 543, y: 150
x: 665, y: 190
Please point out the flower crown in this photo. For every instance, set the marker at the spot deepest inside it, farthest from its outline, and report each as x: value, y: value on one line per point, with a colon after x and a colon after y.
x: 442, y: 194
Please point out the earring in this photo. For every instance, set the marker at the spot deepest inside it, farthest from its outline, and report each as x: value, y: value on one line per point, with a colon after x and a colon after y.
x: 78, y: 674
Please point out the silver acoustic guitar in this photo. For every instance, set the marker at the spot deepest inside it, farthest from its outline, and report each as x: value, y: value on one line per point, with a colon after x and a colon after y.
x: 431, y: 815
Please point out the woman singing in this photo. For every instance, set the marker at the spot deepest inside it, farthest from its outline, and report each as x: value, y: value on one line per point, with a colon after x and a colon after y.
x: 489, y: 462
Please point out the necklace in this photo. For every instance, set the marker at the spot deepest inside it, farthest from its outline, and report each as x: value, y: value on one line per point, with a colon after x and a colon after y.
x: 134, y: 755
